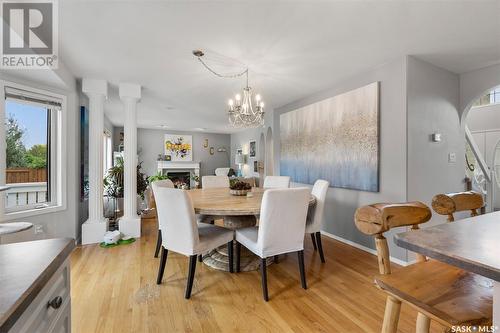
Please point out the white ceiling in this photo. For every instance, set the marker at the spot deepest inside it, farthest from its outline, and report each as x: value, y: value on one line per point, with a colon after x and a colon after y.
x: 293, y: 49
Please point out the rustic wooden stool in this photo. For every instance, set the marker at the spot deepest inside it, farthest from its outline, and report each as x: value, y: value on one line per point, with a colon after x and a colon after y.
x: 437, y: 291
x: 447, y: 204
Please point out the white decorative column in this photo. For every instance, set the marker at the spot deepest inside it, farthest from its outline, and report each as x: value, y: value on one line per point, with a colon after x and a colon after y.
x: 130, y: 223
x: 94, y: 228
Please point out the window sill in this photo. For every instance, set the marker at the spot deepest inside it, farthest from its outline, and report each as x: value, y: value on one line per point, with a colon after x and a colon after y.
x: 32, y: 212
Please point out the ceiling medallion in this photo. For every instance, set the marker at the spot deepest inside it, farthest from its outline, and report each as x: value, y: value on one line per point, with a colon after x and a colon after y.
x: 245, y: 110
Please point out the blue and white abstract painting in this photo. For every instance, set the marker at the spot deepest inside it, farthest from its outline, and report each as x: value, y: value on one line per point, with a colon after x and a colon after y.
x: 336, y: 139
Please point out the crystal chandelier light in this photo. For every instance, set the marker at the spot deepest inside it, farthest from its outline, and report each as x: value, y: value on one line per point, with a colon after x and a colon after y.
x: 245, y: 110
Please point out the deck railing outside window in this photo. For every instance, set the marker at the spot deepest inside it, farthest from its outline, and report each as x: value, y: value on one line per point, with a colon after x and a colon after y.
x: 26, y: 194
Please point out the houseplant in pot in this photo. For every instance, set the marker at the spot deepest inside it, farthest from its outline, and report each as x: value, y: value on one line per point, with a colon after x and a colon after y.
x: 196, y: 180
x: 113, y: 183
x: 158, y: 176
x: 149, y: 212
x: 238, y: 187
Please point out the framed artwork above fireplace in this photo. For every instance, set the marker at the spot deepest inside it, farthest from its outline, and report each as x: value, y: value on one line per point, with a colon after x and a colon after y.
x: 178, y: 147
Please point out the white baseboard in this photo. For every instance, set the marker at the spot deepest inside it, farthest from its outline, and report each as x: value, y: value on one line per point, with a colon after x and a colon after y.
x: 364, y: 248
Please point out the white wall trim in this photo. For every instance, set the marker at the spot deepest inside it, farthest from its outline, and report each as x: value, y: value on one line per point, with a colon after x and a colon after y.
x: 363, y: 248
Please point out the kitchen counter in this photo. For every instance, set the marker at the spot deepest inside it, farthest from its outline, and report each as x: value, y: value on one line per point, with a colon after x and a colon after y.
x: 25, y: 269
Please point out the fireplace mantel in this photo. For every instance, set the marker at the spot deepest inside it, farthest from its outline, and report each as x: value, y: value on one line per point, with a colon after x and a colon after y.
x: 166, y: 166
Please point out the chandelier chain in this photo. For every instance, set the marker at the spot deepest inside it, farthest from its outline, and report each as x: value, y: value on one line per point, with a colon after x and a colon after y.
x: 230, y: 76
x: 243, y: 111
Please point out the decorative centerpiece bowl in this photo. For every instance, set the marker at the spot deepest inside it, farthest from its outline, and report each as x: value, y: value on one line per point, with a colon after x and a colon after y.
x: 239, y: 188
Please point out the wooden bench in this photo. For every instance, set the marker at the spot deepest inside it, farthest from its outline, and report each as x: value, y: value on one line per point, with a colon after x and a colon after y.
x: 437, y: 291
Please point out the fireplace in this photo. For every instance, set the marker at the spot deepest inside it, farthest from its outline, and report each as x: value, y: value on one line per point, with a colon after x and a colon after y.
x: 184, y: 170
x: 180, y: 178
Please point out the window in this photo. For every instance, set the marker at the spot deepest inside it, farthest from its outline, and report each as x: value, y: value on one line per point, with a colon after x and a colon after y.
x: 33, y: 170
x: 108, y: 152
x: 492, y: 97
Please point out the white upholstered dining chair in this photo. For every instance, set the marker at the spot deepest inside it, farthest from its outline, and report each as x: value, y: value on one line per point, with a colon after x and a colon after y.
x: 281, y: 230
x: 208, y: 182
x: 214, y: 182
x: 222, y: 171
x: 161, y: 183
x: 277, y: 182
x: 185, y: 235
x: 315, y: 215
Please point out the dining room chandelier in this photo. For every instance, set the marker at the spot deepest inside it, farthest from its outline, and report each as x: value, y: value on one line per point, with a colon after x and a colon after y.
x: 245, y: 109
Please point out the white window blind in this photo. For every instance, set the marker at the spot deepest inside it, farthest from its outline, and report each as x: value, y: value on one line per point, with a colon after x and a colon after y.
x: 31, y: 97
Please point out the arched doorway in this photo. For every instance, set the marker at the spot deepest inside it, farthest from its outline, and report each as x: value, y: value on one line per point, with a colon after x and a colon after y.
x: 261, y: 159
x: 480, y: 123
x: 269, y: 161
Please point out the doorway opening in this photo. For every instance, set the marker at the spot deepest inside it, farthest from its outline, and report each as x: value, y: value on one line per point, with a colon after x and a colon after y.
x: 482, y: 136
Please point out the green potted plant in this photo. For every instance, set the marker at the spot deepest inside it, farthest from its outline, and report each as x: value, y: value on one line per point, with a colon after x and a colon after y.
x: 196, y: 180
x: 113, y: 182
x: 239, y: 188
x: 158, y: 176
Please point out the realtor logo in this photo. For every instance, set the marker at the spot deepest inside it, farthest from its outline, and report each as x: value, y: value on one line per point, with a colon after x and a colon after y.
x: 29, y: 34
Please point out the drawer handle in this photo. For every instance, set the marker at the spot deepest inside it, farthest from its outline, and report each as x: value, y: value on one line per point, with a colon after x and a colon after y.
x: 56, y: 302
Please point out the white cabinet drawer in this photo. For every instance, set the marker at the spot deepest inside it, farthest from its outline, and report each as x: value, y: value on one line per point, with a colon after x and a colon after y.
x: 63, y: 322
x: 40, y: 317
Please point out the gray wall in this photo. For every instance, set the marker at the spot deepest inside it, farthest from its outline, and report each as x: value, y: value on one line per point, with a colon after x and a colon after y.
x: 150, y: 144
x: 416, y: 100
x: 433, y: 107
x: 342, y: 203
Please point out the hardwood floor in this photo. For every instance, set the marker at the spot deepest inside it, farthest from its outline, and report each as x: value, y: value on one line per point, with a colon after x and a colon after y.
x: 114, y: 290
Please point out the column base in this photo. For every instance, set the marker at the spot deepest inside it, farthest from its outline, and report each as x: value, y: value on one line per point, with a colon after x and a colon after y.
x: 130, y: 226
x: 93, y: 231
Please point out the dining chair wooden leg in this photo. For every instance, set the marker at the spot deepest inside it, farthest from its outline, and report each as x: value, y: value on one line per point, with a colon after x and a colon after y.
x: 300, y: 254
x: 163, y: 262
x: 230, y: 255
x: 320, y: 246
x: 263, y: 272
x: 192, y: 269
x: 391, y: 315
x: 238, y: 256
x: 200, y: 258
x: 276, y: 259
x: 423, y: 323
x: 314, y: 241
x: 158, y: 244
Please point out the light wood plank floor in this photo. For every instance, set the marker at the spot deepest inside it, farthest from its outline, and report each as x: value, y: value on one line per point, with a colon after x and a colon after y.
x: 114, y: 290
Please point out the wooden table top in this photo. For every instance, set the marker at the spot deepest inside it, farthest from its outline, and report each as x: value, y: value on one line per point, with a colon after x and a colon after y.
x: 218, y: 201
x: 24, y: 269
x: 472, y: 244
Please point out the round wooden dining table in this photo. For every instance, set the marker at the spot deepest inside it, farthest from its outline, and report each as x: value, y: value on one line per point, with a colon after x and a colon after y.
x: 232, y: 212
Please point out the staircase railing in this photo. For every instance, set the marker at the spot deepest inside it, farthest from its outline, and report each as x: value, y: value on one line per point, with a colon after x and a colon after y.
x: 482, y: 179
